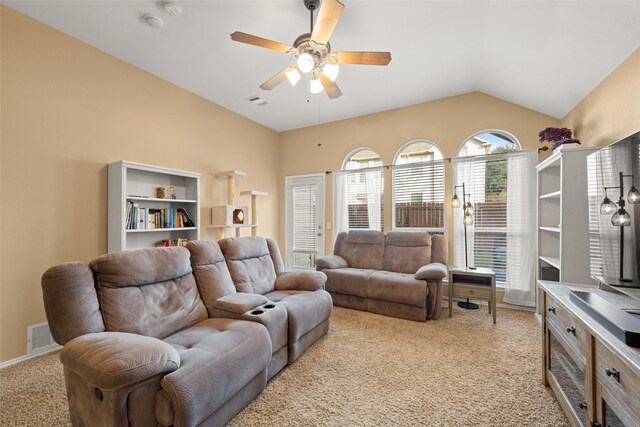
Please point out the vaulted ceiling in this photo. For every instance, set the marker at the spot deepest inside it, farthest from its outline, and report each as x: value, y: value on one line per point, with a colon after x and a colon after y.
x: 544, y: 55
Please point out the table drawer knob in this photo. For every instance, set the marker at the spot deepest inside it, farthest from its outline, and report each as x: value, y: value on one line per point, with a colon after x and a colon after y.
x: 552, y: 309
x: 571, y: 330
x: 583, y: 404
x: 613, y: 372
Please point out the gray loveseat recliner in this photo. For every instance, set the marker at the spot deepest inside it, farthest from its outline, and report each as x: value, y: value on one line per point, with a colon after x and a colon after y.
x: 398, y: 274
x: 142, y: 348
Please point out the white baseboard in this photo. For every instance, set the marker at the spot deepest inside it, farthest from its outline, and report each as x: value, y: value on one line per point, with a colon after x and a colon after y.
x: 26, y: 357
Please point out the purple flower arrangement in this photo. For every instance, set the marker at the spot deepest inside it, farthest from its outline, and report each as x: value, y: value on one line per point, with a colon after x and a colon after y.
x: 557, y: 136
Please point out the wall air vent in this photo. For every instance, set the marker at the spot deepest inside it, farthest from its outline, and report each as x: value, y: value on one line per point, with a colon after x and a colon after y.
x: 39, y: 339
x: 257, y: 100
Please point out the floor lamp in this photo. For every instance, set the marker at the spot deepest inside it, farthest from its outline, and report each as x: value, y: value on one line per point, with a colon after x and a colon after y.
x: 620, y: 217
x: 467, y: 219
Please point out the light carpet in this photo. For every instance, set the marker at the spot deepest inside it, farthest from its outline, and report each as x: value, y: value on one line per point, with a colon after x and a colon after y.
x: 370, y: 370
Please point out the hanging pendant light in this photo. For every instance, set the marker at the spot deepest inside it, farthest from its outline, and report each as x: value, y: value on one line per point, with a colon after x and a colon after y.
x: 621, y: 218
x: 607, y: 207
x: 633, y: 196
x: 455, y: 202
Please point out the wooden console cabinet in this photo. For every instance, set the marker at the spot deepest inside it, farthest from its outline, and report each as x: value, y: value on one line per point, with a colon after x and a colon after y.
x: 595, y: 376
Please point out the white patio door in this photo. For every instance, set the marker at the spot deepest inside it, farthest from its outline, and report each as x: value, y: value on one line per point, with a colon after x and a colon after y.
x: 304, y: 211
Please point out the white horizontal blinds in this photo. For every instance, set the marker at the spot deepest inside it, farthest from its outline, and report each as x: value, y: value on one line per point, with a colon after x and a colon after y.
x: 501, y: 188
x: 304, y: 225
x: 358, y: 199
x: 594, y: 199
x: 418, y: 195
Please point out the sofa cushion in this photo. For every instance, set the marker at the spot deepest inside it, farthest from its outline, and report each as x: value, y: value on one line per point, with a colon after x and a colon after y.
x: 250, y: 264
x: 218, y: 358
x: 210, y: 270
x: 348, y: 281
x: 148, y: 292
x: 406, y: 251
x: 397, y: 287
x: 361, y: 248
x: 305, y: 310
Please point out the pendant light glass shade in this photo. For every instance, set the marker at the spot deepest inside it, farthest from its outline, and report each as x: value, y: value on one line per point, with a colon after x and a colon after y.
x: 621, y: 218
x: 607, y: 207
x: 467, y: 219
x: 455, y: 202
x: 305, y: 63
x: 634, y: 195
x: 316, y: 86
x: 331, y: 71
x: 293, y: 75
x: 468, y: 209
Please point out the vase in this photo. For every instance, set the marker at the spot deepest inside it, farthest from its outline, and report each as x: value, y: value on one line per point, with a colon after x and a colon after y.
x: 565, y: 147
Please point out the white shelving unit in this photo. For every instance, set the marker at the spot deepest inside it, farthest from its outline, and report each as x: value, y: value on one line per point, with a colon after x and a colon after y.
x: 137, y: 183
x: 563, y: 217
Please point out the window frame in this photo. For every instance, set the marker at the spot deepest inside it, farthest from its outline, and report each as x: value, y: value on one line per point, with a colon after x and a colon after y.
x: 473, y: 135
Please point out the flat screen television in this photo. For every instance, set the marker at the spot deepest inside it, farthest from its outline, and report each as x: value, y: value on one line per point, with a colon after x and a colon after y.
x: 613, y: 174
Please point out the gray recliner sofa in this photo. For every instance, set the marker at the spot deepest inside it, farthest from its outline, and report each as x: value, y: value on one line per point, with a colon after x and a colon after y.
x: 256, y: 267
x: 398, y: 274
x: 141, y: 347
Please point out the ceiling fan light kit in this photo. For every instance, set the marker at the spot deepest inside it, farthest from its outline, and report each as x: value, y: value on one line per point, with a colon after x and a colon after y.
x: 313, y: 52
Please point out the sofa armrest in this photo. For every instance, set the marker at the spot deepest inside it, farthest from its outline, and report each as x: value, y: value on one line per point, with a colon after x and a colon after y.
x: 433, y: 271
x: 300, y: 280
x: 113, y: 360
x: 239, y: 302
x: 330, y: 262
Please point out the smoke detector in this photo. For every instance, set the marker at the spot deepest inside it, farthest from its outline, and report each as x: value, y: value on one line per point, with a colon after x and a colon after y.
x: 152, y: 21
x: 172, y: 8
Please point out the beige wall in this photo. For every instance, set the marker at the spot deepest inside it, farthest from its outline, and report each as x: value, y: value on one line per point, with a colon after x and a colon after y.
x: 611, y: 111
x: 446, y: 122
x: 68, y: 109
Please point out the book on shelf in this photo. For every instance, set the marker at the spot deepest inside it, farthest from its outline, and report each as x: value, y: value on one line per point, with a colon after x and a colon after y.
x: 172, y: 242
x: 149, y: 218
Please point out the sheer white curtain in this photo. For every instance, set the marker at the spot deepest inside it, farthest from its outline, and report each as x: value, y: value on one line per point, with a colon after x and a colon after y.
x: 340, y: 203
x: 521, y: 228
x: 463, y: 172
x: 373, y: 181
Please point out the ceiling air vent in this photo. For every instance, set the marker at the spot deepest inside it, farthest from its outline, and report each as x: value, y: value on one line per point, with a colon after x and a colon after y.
x: 257, y: 100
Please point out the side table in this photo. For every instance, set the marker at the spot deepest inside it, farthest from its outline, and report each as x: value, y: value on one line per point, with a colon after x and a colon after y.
x: 479, y: 283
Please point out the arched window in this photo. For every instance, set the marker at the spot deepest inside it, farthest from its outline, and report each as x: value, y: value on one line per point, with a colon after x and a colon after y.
x: 494, y: 210
x: 418, y: 187
x: 489, y: 142
x: 358, y: 191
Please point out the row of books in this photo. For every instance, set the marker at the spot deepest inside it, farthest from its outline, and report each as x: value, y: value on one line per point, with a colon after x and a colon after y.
x: 171, y: 242
x: 146, y: 218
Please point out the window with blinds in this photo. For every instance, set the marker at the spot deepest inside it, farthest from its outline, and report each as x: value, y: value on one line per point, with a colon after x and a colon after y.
x: 304, y: 227
x: 358, y: 199
x: 418, y: 196
x: 594, y: 200
x: 486, y: 187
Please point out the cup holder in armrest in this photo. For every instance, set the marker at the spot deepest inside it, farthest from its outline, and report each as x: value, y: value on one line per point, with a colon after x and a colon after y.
x: 257, y: 312
x: 269, y: 306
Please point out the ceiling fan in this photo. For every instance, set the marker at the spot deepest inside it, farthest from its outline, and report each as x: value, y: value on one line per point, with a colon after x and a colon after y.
x: 313, y: 52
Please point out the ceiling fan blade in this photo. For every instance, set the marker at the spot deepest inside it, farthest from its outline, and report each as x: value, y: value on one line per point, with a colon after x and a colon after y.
x: 363, y: 58
x: 330, y: 87
x: 259, y: 41
x: 277, y: 79
x: 328, y: 17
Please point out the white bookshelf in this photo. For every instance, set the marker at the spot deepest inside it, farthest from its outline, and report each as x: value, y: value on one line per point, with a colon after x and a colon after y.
x: 563, y: 217
x: 137, y: 183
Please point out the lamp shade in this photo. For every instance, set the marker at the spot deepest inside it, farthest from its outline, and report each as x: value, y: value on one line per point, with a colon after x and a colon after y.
x: 468, y: 209
x: 455, y: 201
x: 467, y: 219
x: 331, y: 71
x: 293, y: 75
x: 305, y: 63
x: 316, y: 86
x: 621, y: 218
x: 607, y: 207
x: 634, y: 195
